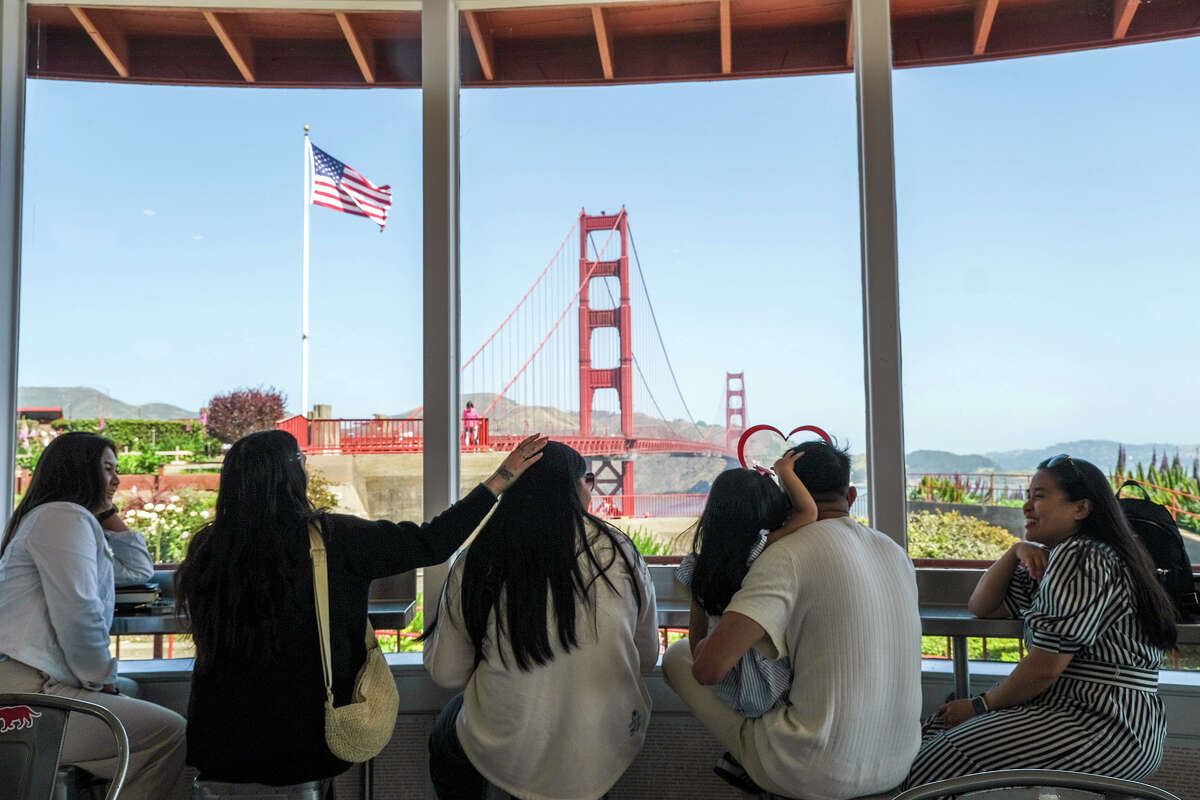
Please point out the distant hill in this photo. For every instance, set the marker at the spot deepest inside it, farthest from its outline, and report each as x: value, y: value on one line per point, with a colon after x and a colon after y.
x: 1101, y: 452
x: 943, y: 461
x: 84, y: 402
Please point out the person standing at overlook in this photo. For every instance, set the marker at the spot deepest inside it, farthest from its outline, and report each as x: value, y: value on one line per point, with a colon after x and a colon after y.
x: 470, y: 418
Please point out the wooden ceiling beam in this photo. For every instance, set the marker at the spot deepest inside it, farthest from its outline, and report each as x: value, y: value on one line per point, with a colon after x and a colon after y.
x: 603, y: 41
x: 1123, y: 11
x: 985, y: 15
x: 362, y: 46
x: 726, y: 36
x: 230, y: 30
x: 850, y: 34
x: 112, y: 42
x: 484, y: 44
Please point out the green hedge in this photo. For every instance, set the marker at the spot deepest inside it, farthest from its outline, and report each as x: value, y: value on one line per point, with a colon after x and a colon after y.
x: 942, y: 534
x: 149, y: 436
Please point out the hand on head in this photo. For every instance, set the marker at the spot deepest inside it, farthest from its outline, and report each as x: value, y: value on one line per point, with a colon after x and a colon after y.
x: 787, y: 461
x: 523, y: 456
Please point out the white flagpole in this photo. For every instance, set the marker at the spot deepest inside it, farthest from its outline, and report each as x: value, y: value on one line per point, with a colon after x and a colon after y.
x: 304, y: 407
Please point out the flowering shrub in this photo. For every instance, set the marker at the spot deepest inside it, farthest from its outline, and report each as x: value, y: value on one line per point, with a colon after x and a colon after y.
x: 167, y: 519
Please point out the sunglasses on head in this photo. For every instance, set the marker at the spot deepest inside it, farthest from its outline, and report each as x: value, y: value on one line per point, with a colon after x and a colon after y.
x: 1061, y: 458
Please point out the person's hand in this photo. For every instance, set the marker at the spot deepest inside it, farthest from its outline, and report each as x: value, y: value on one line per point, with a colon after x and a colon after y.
x: 114, y: 523
x: 785, y: 463
x: 1033, y: 557
x: 523, y: 456
x: 110, y: 688
x: 956, y: 712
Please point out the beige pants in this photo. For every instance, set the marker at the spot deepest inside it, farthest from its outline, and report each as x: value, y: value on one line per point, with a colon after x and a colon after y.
x: 156, y: 735
x: 732, y: 730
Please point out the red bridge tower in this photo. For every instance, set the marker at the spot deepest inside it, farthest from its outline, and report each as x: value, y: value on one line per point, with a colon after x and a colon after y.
x: 735, y: 407
x: 609, y: 479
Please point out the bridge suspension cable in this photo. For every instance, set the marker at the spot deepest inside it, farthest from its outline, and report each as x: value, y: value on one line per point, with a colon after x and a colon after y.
x: 658, y: 332
x: 561, y: 316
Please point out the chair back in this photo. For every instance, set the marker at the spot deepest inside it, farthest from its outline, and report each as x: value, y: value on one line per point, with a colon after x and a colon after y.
x: 31, y: 738
x: 1019, y: 781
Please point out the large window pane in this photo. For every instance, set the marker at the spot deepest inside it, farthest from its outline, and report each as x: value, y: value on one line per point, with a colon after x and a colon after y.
x: 162, y: 264
x: 1048, y: 281
x: 741, y: 204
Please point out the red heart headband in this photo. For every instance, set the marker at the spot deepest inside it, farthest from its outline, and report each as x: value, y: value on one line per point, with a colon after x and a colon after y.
x: 741, y: 449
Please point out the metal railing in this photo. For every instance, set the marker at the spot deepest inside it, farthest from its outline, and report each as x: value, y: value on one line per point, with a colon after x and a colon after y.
x: 383, y: 435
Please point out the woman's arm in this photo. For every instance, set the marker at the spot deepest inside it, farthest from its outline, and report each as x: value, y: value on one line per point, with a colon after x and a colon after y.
x: 383, y: 548
x: 804, y: 508
x: 987, y: 600
x: 646, y: 634
x: 131, y: 558
x: 1034, y: 674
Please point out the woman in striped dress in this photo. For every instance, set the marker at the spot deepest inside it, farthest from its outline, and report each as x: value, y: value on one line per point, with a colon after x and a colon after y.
x: 1084, y: 697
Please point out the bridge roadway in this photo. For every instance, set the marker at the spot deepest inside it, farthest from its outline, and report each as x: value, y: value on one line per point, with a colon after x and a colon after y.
x: 619, y: 445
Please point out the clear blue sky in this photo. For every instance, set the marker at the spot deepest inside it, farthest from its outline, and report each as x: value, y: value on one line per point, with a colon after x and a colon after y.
x: 1048, y: 240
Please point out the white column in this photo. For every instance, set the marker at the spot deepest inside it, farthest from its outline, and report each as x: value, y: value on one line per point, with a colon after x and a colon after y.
x: 12, y: 126
x: 439, y: 144
x: 880, y: 267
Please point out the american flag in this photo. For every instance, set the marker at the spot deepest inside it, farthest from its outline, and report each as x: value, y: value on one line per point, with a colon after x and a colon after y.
x: 343, y: 188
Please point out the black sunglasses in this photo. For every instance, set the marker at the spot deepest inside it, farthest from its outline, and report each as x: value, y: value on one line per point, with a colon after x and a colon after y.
x: 589, y: 480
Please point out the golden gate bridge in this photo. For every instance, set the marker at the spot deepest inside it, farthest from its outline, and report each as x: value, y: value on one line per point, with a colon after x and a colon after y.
x: 545, y: 364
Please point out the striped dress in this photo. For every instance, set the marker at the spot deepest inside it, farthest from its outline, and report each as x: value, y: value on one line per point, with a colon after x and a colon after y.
x: 756, y: 684
x: 1102, y: 715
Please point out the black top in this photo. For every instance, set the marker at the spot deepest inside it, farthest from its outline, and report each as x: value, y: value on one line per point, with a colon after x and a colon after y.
x: 265, y: 722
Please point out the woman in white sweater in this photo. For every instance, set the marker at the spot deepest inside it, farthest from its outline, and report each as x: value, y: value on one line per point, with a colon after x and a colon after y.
x: 548, y: 620
x: 57, y: 573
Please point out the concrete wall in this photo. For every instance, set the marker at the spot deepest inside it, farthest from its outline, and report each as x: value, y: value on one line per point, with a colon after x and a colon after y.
x: 1011, y: 518
x: 676, y: 762
x: 389, y: 485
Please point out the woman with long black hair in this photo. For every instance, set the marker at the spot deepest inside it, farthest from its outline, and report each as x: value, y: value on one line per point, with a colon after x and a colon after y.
x: 256, y: 713
x: 548, y: 620
x: 57, y: 571
x: 1084, y: 697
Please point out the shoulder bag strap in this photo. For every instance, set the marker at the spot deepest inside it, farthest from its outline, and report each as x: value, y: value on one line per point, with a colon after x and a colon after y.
x: 316, y: 546
x: 1145, y: 491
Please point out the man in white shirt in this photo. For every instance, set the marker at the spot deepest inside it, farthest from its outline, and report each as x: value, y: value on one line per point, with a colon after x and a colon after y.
x: 840, y: 600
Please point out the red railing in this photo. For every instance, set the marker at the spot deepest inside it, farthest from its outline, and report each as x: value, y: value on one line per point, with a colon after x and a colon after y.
x: 985, y: 485
x: 328, y: 436
x: 648, y: 505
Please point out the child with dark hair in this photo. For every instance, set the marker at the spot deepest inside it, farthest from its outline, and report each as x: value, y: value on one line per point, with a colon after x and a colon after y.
x: 745, y: 512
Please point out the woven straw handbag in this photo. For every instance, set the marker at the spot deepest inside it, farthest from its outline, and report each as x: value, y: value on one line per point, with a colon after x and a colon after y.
x: 360, y: 729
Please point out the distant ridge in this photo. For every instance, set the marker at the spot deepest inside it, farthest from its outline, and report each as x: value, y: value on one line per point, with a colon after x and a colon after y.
x: 84, y: 402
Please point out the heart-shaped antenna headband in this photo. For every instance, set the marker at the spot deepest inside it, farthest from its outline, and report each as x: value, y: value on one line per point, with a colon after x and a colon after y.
x: 753, y: 429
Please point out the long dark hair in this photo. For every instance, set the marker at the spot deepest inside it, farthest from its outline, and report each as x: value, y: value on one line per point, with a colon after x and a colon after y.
x: 244, y: 563
x: 69, y: 470
x: 527, y: 557
x: 1083, y: 480
x: 741, y: 503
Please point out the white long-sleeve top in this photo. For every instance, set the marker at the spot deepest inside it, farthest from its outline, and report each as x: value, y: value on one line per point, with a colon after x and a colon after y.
x: 566, y: 730
x: 57, y: 596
